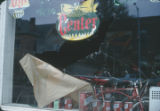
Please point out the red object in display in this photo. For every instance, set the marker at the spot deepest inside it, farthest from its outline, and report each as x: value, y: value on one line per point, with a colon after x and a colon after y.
x: 50, y: 105
x: 83, y: 106
x: 158, y: 84
x: 96, y: 105
x: 118, y: 106
x: 107, y: 106
x: 84, y: 102
x: 135, y: 92
x: 68, y: 103
x: 128, y: 106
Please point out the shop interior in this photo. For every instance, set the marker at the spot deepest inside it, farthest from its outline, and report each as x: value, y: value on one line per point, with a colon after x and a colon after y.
x: 124, y: 46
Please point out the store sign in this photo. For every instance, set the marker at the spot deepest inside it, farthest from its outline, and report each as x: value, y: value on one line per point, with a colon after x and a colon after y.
x: 77, y: 22
x: 16, y: 7
x: 14, y: 4
x: 18, y: 13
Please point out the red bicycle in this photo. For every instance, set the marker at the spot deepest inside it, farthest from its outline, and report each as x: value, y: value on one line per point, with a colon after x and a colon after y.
x: 134, y: 91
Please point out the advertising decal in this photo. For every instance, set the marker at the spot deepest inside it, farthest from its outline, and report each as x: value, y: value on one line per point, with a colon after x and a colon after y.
x: 16, y: 7
x: 77, y: 22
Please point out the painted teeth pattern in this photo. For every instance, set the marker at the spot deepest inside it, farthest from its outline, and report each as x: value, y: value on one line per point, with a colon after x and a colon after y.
x: 78, y: 36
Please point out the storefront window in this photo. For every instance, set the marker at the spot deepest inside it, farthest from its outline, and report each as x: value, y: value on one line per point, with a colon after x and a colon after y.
x: 113, y: 40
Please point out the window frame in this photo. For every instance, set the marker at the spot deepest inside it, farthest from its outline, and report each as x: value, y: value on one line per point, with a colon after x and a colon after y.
x: 7, y: 24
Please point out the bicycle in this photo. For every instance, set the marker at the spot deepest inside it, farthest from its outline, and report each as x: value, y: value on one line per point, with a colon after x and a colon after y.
x: 133, y: 93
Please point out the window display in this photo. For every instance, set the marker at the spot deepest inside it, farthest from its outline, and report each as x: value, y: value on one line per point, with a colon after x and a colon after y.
x: 60, y: 47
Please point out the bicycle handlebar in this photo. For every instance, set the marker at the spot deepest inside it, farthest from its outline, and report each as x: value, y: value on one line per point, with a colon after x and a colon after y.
x: 101, y: 80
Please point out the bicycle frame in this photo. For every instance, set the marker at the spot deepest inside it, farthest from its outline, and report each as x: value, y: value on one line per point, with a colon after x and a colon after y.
x: 100, y: 81
x: 135, y: 94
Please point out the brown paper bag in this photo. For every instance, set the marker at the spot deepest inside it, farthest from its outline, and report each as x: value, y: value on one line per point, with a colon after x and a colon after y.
x: 49, y: 83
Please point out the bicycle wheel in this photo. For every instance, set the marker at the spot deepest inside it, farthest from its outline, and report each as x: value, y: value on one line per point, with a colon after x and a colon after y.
x: 145, y: 105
